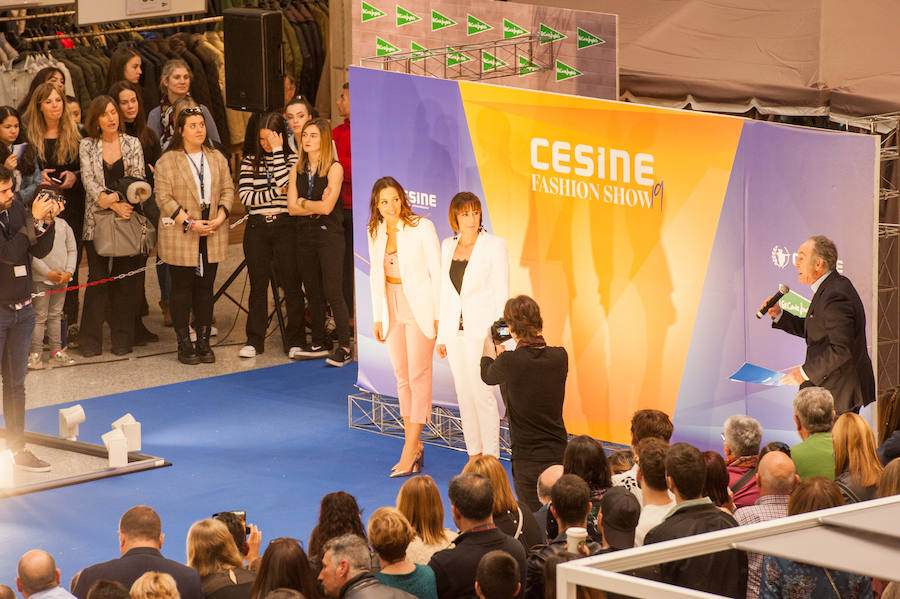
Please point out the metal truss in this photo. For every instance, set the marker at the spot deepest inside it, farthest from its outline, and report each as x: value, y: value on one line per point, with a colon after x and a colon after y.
x: 521, y: 55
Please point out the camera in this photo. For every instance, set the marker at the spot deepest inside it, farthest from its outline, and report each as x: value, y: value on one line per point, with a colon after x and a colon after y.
x: 240, y: 515
x: 500, y: 331
x: 50, y: 193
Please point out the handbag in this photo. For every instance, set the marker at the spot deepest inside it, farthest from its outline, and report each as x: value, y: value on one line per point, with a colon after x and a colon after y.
x: 115, y: 236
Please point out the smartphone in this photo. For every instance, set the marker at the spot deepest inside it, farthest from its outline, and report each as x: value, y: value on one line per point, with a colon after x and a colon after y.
x: 56, y: 180
x: 241, y: 515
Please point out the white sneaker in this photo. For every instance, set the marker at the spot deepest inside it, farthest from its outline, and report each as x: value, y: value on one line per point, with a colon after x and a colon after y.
x: 248, y: 351
x: 61, y: 358
x: 34, y: 361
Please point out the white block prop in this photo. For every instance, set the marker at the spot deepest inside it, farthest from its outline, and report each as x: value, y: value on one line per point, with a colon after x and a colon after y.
x: 117, y: 448
x: 132, y: 430
x: 7, y: 468
x: 69, y: 419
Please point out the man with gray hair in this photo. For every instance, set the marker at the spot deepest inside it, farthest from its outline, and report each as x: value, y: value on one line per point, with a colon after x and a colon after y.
x: 38, y: 577
x: 814, y: 416
x: 741, y: 440
x: 347, y: 572
x: 834, y: 328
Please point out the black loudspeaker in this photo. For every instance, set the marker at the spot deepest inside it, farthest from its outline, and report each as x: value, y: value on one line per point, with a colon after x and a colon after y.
x: 253, y: 71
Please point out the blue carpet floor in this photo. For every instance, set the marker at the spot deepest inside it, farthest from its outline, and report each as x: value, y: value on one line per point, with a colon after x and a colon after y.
x: 269, y: 441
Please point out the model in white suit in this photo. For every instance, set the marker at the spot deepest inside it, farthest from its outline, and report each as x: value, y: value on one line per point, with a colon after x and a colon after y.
x: 466, y: 314
x: 404, y: 276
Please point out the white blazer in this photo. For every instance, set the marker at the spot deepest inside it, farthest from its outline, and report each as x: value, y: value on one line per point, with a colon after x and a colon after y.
x: 419, y: 255
x: 484, y: 292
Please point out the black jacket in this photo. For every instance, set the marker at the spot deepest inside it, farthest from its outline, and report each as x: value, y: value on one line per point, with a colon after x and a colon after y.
x: 454, y: 568
x: 132, y: 565
x: 534, y: 580
x: 722, y: 573
x: 835, y: 333
x: 19, y: 242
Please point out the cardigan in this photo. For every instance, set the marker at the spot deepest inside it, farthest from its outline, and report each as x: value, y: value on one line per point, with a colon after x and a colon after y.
x: 91, y: 151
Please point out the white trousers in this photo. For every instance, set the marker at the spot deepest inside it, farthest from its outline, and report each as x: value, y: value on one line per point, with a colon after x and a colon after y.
x: 477, y: 403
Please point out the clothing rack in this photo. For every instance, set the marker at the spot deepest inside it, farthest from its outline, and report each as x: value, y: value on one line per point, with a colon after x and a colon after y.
x: 44, y: 15
x: 45, y: 38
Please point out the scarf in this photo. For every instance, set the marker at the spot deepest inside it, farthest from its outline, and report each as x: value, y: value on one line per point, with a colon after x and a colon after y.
x: 167, y: 110
x: 536, y: 342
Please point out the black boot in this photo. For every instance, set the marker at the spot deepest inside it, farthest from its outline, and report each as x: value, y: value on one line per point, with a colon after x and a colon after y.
x: 186, y: 353
x: 204, y: 351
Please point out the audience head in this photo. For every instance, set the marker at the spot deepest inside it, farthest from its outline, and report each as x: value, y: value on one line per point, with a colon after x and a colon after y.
x: 108, y: 589
x: 74, y: 108
x: 779, y: 446
x: 124, y: 65
x: 6, y: 592
x: 523, y: 315
x: 742, y: 436
x: 890, y: 479
x: 345, y: 557
x: 715, y: 483
x: 620, y: 461
x: 386, y: 192
x: 46, y: 109
x: 465, y: 202
x: 36, y: 572
x: 685, y: 471
x: 315, y: 139
x: 620, y: 512
x: 128, y: 98
x: 154, y: 585
x: 343, y: 102
x: 390, y: 534
x: 776, y: 474
x: 51, y: 75
x: 471, y: 499
x: 814, y: 493
x: 284, y: 565
x: 140, y: 527
x: 175, y: 81
x: 190, y: 127
x: 650, y: 423
x: 813, y: 411
x: 570, y: 501
x: 488, y: 466
x: 546, y: 481
x: 420, y: 503
x: 9, y: 126
x: 585, y: 457
x: 284, y: 594
x: 888, y: 413
x: 339, y: 514
x: 211, y: 548
x: 854, y: 450
x: 290, y: 87
x: 297, y: 112
x: 237, y: 528
x: 103, y: 117
x: 497, y: 576
x: 651, y: 454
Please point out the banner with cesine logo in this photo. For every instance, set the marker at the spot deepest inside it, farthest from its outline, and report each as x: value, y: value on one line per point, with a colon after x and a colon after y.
x: 640, y: 231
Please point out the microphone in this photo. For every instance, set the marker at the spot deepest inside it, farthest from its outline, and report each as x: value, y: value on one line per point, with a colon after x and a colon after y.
x: 782, y: 289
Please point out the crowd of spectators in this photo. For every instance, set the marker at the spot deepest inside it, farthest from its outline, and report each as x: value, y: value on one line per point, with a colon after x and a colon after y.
x: 662, y: 492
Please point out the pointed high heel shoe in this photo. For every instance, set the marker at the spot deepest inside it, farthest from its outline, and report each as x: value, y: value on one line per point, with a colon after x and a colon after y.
x: 414, y: 469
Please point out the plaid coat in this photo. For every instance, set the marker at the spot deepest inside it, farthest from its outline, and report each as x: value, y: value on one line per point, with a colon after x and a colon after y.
x: 175, y: 188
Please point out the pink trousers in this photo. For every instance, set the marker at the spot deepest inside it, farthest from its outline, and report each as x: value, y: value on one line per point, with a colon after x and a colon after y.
x: 411, y: 353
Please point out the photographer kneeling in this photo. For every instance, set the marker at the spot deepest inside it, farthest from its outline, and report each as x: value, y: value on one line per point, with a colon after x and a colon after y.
x: 532, y: 380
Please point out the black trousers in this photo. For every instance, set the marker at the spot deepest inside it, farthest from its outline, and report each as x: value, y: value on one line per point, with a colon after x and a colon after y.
x: 321, y: 257
x: 349, y: 283
x: 119, y: 296
x: 272, y: 244
x: 191, y: 291
x: 525, y: 475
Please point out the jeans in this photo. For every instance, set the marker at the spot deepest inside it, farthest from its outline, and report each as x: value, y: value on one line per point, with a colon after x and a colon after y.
x: 48, y: 311
x: 15, y: 337
x: 120, y: 296
x: 192, y: 292
x: 71, y: 304
x: 269, y: 245
x: 321, y: 257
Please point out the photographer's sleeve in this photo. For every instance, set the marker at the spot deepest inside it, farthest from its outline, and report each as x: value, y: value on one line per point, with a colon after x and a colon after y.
x: 493, y: 371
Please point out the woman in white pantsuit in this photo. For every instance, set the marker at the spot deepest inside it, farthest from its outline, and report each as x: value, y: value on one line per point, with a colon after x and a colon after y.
x: 474, y: 289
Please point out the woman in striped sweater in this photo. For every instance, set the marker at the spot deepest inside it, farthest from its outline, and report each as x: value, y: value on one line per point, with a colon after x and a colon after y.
x: 270, y: 239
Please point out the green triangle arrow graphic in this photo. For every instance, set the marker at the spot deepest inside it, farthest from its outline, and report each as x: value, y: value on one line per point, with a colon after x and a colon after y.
x: 405, y: 17
x: 564, y: 71
x: 383, y: 47
x: 510, y: 29
x: 474, y: 25
x: 369, y: 12
x: 527, y: 67
x: 489, y: 62
x: 439, y: 21
x: 586, y: 40
x: 550, y: 35
x: 420, y: 52
x: 454, y: 58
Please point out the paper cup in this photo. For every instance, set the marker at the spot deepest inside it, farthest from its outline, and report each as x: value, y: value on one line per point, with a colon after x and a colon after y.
x: 574, y: 537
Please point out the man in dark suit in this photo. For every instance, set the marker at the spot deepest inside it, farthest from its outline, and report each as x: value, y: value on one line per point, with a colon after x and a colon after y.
x: 140, y: 539
x: 834, y: 329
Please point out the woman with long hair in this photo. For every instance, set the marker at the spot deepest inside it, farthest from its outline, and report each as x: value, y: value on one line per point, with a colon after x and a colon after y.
x: 390, y: 534
x: 270, y: 236
x: 586, y: 458
x: 154, y: 585
x: 338, y: 515
x: 175, y: 84
x: 405, y: 280
x: 511, y: 516
x: 108, y: 155
x: 889, y: 425
x: 46, y: 75
x: 857, y: 468
x: 474, y: 288
x: 715, y: 486
x: 420, y: 503
x: 193, y: 188
x: 284, y: 565
x: 22, y: 161
x: 211, y: 551
x: 314, y: 188
x: 52, y: 133
x: 124, y: 65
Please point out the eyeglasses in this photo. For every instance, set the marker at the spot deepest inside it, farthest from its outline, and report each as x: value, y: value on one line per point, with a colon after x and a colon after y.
x: 192, y: 110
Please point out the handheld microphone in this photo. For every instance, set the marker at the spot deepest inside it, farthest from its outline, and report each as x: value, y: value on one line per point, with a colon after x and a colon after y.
x: 782, y: 289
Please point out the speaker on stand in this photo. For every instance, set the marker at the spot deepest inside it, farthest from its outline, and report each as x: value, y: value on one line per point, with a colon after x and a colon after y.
x: 253, y: 63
